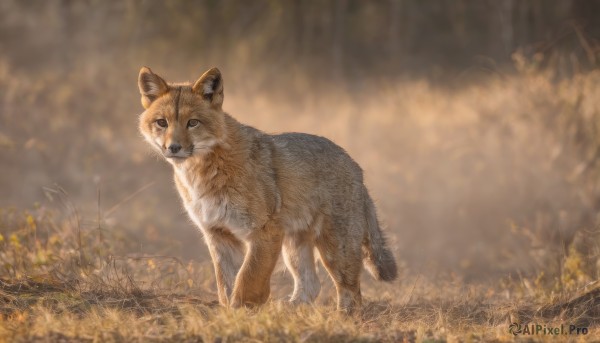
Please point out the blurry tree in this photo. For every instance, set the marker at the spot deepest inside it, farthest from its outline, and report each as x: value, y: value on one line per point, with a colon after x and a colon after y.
x: 339, y: 38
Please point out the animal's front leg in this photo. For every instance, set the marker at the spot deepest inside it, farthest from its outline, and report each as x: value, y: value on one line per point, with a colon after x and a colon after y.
x: 227, y: 254
x: 253, y: 283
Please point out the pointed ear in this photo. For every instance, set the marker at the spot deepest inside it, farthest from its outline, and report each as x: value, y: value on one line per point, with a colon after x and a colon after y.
x: 151, y: 86
x: 210, y: 86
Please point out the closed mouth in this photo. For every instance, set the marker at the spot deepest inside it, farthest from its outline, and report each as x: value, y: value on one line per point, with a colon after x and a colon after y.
x: 177, y: 157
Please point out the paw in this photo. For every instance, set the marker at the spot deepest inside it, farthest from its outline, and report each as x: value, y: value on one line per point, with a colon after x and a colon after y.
x: 349, y: 303
x: 306, y: 294
x: 236, y: 302
x: 248, y: 300
x: 296, y: 299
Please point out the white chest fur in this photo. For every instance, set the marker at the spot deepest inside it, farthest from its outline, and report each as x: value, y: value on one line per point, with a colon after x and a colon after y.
x: 214, y: 211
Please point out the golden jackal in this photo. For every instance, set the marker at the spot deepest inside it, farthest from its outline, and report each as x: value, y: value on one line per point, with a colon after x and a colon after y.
x: 252, y: 194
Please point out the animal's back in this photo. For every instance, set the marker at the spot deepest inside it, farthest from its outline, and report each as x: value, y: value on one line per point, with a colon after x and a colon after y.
x: 314, y: 170
x: 316, y: 157
x: 317, y: 178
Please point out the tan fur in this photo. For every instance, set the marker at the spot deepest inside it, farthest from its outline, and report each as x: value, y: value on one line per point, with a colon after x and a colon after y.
x: 252, y: 194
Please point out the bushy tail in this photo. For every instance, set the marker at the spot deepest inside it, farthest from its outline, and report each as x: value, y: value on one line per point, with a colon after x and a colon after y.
x: 377, y: 258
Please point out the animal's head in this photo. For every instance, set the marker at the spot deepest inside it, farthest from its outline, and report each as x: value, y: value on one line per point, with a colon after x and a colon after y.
x: 182, y: 120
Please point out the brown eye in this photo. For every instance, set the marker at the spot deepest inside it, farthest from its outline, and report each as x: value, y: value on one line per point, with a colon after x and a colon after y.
x: 193, y: 123
x: 162, y: 123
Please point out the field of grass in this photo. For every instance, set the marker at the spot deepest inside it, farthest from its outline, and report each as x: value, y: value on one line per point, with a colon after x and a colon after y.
x: 61, y: 284
x: 489, y: 194
x: 487, y: 181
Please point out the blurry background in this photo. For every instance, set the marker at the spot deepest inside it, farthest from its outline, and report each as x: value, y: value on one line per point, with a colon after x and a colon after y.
x: 476, y: 122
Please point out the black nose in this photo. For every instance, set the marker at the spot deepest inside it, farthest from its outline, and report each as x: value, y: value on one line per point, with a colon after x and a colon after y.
x: 174, y: 148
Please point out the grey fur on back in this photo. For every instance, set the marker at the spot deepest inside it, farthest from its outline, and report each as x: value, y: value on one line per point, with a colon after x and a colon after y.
x: 341, y: 193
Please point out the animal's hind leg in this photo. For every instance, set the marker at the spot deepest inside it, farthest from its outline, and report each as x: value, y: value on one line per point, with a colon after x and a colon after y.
x: 298, y: 254
x: 343, y: 260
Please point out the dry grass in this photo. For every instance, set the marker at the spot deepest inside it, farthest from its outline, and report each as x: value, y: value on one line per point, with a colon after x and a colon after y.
x: 489, y: 191
x: 72, y: 275
x: 35, y: 311
x: 489, y: 186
